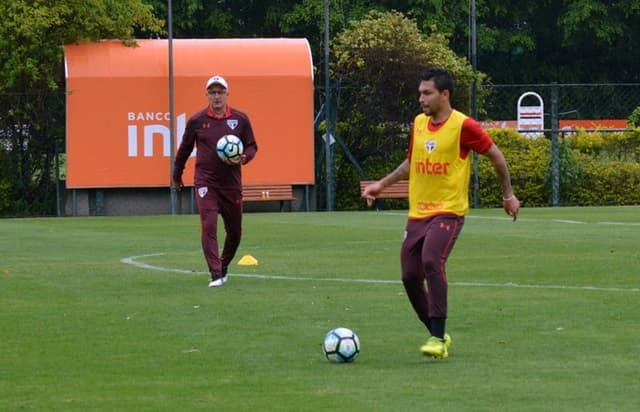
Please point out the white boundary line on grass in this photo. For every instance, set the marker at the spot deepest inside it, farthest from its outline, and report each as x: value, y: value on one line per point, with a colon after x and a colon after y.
x: 570, y: 222
x: 133, y: 260
x: 525, y: 219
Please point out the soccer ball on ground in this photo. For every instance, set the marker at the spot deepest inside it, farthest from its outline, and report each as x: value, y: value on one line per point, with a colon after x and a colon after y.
x: 229, y: 147
x: 341, y: 345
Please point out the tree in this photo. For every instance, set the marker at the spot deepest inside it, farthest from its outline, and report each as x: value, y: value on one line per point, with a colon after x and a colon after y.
x: 575, y: 41
x: 307, y: 19
x: 32, y: 85
x: 571, y: 41
x: 225, y: 18
x: 519, y: 41
x: 377, y: 65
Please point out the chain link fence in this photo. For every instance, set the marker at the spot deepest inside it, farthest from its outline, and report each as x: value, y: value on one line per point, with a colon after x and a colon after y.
x: 29, y: 162
x: 582, y: 102
x: 556, y: 111
x: 566, y: 108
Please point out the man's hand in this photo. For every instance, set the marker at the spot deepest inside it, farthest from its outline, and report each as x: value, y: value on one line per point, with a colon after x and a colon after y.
x: 177, y: 184
x: 511, y: 205
x: 235, y: 161
x: 370, y: 192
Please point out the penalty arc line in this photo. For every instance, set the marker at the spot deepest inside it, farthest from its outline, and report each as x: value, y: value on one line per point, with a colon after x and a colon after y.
x: 133, y: 260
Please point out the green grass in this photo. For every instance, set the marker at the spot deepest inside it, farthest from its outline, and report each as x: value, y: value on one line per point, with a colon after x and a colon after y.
x: 544, y: 315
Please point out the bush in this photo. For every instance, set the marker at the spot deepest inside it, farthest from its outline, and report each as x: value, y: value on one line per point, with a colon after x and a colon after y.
x: 605, y: 146
x: 634, y: 118
x: 528, y: 161
x: 594, y: 169
x: 607, y: 184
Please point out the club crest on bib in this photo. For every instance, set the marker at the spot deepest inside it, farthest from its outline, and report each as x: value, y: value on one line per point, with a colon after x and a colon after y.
x: 430, y: 145
x: 232, y: 123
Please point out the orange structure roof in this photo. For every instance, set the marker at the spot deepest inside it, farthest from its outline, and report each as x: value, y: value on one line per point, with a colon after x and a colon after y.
x: 118, y: 107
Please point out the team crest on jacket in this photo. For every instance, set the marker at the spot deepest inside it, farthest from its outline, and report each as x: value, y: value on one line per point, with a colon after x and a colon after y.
x: 232, y: 123
x: 430, y: 145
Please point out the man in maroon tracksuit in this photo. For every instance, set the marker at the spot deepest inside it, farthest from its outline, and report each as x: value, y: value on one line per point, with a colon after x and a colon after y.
x: 218, y: 183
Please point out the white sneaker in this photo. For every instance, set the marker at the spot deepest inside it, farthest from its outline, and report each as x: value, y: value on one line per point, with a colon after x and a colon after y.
x: 218, y: 282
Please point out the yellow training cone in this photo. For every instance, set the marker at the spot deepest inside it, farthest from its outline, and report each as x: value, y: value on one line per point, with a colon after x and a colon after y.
x: 248, y: 260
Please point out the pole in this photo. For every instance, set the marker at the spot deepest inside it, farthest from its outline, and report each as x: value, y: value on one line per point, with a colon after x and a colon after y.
x: 555, y: 161
x: 57, y: 166
x: 172, y: 140
x: 474, y: 100
x: 328, y: 111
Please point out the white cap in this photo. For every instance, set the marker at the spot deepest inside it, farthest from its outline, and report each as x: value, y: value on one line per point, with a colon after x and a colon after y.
x: 217, y: 80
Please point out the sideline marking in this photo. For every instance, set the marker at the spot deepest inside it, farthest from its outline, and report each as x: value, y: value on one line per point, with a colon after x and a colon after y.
x: 530, y: 219
x: 133, y: 260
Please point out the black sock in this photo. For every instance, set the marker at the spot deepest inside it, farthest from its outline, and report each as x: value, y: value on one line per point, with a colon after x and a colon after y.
x: 437, y: 327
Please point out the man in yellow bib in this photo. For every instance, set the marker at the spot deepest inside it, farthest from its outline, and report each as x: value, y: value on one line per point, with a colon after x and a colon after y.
x: 438, y: 167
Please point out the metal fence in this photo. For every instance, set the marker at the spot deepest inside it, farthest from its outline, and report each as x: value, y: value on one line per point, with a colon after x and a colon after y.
x: 557, y: 110
x: 564, y: 102
x: 574, y: 101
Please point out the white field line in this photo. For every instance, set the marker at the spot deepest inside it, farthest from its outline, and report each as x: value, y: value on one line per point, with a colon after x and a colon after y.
x: 524, y: 219
x: 133, y: 260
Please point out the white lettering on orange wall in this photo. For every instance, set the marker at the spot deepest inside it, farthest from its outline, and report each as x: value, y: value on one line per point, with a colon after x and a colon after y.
x: 152, y: 134
x: 148, y: 116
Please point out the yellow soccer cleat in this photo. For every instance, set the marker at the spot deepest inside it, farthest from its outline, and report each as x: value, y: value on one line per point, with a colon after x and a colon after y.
x: 435, y: 347
x: 448, y: 341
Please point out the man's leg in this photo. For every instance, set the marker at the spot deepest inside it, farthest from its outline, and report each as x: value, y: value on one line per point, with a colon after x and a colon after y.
x: 413, y: 278
x: 440, y: 236
x: 231, y: 210
x: 208, y: 209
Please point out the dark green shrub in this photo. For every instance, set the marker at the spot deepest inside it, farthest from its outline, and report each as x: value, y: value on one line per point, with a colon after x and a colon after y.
x: 634, y: 118
x: 594, y: 169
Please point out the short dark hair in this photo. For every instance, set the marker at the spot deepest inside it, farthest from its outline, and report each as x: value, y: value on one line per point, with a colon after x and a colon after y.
x: 442, y: 79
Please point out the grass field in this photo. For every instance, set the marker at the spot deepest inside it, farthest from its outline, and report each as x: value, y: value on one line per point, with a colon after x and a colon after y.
x: 114, y: 314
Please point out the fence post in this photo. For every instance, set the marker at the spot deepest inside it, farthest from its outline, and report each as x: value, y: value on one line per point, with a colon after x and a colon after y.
x: 474, y: 98
x: 57, y: 167
x: 329, y: 110
x: 555, y: 161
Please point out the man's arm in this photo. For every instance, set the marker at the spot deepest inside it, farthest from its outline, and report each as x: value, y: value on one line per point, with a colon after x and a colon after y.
x: 510, y: 202
x: 183, y: 153
x: 400, y: 173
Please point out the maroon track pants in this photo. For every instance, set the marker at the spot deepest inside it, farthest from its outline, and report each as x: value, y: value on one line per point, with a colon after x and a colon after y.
x: 425, y: 249
x: 229, y: 204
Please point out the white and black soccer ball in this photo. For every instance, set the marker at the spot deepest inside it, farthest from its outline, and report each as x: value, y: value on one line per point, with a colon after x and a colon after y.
x: 229, y: 147
x: 341, y: 345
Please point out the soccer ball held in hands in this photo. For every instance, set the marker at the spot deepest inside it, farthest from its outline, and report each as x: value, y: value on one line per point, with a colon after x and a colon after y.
x: 230, y: 148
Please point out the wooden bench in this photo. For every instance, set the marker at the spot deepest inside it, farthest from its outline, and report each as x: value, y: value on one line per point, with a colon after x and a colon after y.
x: 268, y: 192
x: 398, y: 190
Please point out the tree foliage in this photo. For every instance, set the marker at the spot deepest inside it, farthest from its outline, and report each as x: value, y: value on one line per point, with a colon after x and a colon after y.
x: 225, y: 18
x: 32, y: 34
x: 518, y: 41
x: 378, y: 61
x: 569, y: 42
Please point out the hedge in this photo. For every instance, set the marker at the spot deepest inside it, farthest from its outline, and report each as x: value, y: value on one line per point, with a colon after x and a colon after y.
x: 595, y: 169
